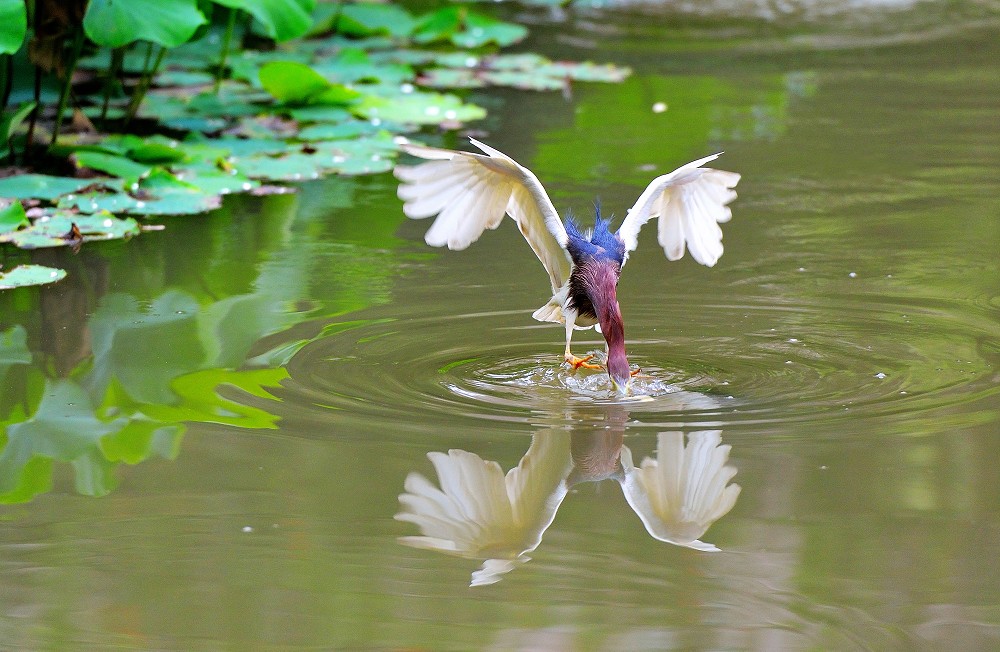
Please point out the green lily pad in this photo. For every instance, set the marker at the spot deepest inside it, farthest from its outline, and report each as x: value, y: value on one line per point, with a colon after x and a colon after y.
x: 353, y: 66
x: 175, y: 78
x: 13, y: 218
x: 368, y: 18
x: 466, y: 29
x: 319, y: 113
x: 52, y: 229
x: 40, y: 186
x: 347, y: 129
x: 420, y: 108
x: 118, y: 166
x: 296, y: 83
x: 25, y: 275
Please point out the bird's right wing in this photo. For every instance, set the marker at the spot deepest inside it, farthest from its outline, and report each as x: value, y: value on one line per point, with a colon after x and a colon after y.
x: 471, y: 192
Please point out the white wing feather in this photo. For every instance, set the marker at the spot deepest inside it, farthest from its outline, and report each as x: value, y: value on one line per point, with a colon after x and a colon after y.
x: 470, y: 193
x: 690, y: 203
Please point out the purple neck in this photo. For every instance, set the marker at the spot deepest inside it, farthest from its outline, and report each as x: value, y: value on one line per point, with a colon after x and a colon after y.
x: 609, y: 315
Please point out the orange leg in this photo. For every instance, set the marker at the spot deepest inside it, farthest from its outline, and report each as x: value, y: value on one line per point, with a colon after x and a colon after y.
x: 573, y: 361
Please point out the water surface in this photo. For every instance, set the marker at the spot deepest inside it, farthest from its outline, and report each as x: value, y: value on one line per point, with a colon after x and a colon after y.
x: 208, y: 429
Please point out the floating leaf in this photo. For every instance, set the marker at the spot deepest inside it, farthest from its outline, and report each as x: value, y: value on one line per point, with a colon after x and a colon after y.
x: 367, y: 18
x: 296, y: 83
x: 348, y: 129
x: 39, y: 186
x: 118, y: 166
x: 25, y: 275
x: 281, y: 19
x: 420, y: 108
x: 114, y: 23
x: 12, y: 218
x: 466, y: 29
x: 52, y: 229
x: 14, y: 21
x: 481, y: 30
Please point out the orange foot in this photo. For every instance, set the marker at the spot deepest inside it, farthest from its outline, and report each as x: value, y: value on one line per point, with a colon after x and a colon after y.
x: 636, y: 372
x: 575, y: 362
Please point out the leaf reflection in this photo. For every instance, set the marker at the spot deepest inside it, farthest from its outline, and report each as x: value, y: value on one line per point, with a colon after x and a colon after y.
x: 478, y: 512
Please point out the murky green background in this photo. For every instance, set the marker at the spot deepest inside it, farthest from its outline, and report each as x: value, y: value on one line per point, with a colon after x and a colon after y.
x: 207, y: 429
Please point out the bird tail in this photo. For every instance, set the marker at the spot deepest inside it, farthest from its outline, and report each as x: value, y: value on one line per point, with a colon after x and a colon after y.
x: 551, y: 311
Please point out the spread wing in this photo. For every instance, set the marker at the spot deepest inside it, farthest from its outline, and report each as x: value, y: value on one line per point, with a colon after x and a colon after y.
x: 471, y: 192
x: 691, y: 203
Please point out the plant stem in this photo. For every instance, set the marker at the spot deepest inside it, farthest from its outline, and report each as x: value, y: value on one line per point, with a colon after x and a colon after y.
x: 30, y: 139
x: 67, y: 83
x: 7, y: 65
x: 147, y: 79
x: 117, y: 61
x: 226, y: 41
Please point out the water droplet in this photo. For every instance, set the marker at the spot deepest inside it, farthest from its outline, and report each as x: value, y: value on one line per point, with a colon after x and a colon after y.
x: 880, y: 375
x: 140, y: 204
x: 659, y: 107
x: 451, y: 114
x: 853, y: 274
x: 802, y: 269
x: 406, y: 88
x: 471, y: 62
x: 432, y: 110
x: 247, y: 528
x: 376, y: 122
x: 338, y: 158
x: 107, y: 223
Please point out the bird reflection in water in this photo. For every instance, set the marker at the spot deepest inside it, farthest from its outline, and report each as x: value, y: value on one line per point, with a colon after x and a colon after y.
x: 478, y: 512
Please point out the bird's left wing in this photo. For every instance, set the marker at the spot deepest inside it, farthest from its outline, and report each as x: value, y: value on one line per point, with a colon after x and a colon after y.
x: 691, y: 203
x: 471, y: 192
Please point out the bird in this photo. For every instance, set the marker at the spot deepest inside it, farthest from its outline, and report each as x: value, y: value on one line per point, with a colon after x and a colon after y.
x: 470, y: 192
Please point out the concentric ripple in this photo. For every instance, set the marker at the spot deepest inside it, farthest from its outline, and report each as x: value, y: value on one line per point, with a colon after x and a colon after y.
x: 755, y: 363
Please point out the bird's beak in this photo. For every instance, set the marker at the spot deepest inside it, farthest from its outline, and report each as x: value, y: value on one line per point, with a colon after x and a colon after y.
x: 623, y: 387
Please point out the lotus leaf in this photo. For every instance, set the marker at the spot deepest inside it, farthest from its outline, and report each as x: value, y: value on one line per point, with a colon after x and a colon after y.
x: 282, y: 20
x: 353, y: 66
x: 40, y: 186
x: 14, y: 19
x: 296, y: 83
x: 119, y: 166
x: 12, y: 218
x: 113, y: 23
x: 53, y: 228
x: 466, y: 29
x: 420, y: 108
x: 25, y: 275
x: 347, y: 129
x: 367, y: 18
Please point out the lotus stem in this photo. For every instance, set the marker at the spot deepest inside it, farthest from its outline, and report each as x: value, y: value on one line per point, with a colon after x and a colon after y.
x: 147, y: 79
x: 226, y: 42
x: 117, y: 61
x: 7, y: 68
x: 67, y: 83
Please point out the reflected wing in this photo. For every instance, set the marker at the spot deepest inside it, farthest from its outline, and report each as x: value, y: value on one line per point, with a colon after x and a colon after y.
x: 684, y: 490
x: 471, y: 192
x: 691, y: 203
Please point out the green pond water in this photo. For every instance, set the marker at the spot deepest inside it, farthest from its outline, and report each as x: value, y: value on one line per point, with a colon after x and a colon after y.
x: 207, y: 429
